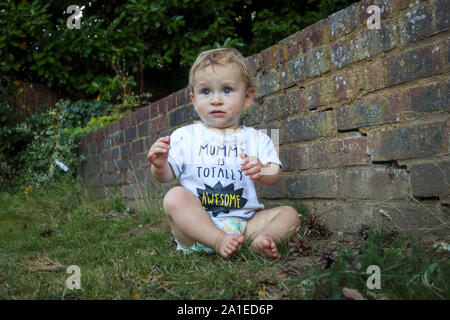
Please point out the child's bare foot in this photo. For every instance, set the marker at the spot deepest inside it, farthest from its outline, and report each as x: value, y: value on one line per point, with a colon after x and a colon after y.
x: 265, y: 245
x: 227, y: 244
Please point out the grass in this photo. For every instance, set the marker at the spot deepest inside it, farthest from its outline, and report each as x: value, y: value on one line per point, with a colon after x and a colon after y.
x: 45, y: 231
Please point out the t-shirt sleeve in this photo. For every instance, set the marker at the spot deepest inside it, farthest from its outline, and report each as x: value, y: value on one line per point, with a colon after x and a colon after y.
x: 176, y: 152
x: 266, y: 150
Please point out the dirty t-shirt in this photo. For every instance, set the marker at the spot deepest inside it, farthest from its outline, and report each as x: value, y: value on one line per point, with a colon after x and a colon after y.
x: 207, y: 163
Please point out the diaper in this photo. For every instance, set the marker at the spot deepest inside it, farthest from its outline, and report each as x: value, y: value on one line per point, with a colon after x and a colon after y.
x: 228, y: 225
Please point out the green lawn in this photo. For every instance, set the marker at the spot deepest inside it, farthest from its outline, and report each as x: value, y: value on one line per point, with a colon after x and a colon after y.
x: 130, y: 256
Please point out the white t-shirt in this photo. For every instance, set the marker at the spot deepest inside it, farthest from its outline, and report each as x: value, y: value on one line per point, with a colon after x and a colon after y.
x: 207, y: 163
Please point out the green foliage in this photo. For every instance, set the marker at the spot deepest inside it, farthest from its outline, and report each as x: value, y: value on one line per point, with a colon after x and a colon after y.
x: 79, y: 112
x: 29, y: 149
x: 408, y: 271
x: 37, y: 46
x: 51, y: 141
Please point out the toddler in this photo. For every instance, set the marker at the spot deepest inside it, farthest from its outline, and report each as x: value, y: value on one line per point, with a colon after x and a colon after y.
x: 217, y: 163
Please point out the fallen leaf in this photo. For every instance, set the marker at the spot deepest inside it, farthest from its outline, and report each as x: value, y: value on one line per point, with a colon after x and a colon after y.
x: 152, y: 277
x: 300, y: 246
x: 326, y: 257
x: 262, y: 293
x: 42, y: 264
x: 352, y: 294
x: 136, y: 296
x: 46, y: 233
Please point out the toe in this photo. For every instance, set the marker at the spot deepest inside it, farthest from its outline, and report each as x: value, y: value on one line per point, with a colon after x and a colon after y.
x: 267, y: 244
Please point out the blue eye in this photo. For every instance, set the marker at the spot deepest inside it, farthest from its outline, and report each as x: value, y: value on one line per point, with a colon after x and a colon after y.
x: 227, y: 90
x: 205, y: 91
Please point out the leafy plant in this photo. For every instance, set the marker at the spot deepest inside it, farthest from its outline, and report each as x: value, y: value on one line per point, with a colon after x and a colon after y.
x: 37, y: 46
x: 408, y: 271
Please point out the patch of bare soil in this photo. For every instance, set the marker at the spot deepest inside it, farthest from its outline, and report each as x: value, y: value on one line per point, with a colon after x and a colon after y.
x: 314, y: 244
x: 161, y: 225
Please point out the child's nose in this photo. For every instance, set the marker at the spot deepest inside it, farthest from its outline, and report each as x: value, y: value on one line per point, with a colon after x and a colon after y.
x: 216, y: 99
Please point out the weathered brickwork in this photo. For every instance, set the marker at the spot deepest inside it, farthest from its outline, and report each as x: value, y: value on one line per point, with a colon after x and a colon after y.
x: 362, y: 114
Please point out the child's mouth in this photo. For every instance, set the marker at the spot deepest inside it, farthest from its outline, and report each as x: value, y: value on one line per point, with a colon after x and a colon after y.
x: 217, y: 113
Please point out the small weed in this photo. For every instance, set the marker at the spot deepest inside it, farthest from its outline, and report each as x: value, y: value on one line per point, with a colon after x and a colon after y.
x: 407, y: 270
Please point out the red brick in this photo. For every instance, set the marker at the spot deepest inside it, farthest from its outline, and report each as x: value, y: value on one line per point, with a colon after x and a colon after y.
x: 336, y: 87
x: 364, y: 44
x: 250, y: 117
x: 344, y: 21
x: 137, y: 146
x: 375, y: 76
x: 160, y: 124
x: 430, y: 179
x: 132, y: 118
x: 312, y: 185
x: 270, y: 57
x: 293, y: 72
x: 123, y: 123
x: 350, y: 150
x: 419, y: 141
x: 314, y: 35
x: 416, y: 24
x: 295, y: 158
x: 153, y: 109
x: 319, y: 93
x: 317, y: 62
x: 441, y: 10
x: 413, y: 64
x: 377, y: 182
x: 162, y: 106
x: 171, y: 101
x: 143, y: 129
x: 316, y: 125
x: 273, y: 192
x: 427, y: 99
x: 290, y: 46
x: 254, y: 62
x: 268, y: 82
x: 182, y: 97
x: 142, y: 114
x: 283, y: 105
x: 369, y: 111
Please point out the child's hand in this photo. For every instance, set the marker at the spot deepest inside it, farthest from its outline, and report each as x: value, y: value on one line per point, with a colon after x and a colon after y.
x: 159, y: 152
x: 251, y: 166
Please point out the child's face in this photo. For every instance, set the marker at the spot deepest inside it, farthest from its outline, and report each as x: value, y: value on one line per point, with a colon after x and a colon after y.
x: 220, y: 95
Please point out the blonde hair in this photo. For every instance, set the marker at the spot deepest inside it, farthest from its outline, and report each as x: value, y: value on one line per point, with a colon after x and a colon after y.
x: 222, y: 56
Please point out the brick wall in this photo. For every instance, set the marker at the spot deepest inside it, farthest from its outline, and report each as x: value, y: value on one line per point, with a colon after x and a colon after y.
x: 363, y: 118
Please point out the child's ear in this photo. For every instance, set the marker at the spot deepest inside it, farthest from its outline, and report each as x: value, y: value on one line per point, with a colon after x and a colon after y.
x: 192, y: 96
x: 249, y: 96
